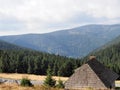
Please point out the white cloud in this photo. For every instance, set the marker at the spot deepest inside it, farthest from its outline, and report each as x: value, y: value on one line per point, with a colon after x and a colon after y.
x: 39, y: 14
x: 104, y: 8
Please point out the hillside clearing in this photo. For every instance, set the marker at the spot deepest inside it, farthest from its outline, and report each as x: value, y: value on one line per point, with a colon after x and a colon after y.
x: 29, y: 76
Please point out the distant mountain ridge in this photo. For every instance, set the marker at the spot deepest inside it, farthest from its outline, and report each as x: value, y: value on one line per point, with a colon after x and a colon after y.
x: 8, y: 46
x: 110, y: 43
x: 75, y: 42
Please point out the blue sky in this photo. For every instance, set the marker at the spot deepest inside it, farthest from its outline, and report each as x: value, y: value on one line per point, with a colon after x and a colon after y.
x: 42, y: 16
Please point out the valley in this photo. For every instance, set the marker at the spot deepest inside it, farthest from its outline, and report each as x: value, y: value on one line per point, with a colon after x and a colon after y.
x: 75, y: 42
x: 59, y: 45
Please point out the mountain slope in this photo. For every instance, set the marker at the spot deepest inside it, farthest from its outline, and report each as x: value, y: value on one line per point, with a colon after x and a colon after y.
x: 108, y: 44
x: 74, y: 42
x: 109, y: 55
x: 14, y: 60
x: 114, y: 41
x: 110, y: 50
x: 8, y: 46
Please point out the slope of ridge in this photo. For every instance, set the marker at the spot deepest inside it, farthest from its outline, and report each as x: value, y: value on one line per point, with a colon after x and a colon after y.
x: 115, y: 41
x: 109, y: 55
x: 8, y: 46
x: 14, y: 60
x: 110, y: 43
x: 75, y: 42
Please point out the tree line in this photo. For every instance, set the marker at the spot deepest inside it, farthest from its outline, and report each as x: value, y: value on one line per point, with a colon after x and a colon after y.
x: 33, y: 62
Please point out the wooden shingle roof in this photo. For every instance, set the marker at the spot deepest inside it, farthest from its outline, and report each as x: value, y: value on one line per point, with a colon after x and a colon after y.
x: 106, y: 75
x: 92, y: 74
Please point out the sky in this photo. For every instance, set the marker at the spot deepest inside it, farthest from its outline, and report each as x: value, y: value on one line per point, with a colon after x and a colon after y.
x: 43, y: 16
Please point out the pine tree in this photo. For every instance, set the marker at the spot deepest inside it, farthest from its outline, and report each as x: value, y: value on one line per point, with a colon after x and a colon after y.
x: 49, y: 81
x: 60, y: 84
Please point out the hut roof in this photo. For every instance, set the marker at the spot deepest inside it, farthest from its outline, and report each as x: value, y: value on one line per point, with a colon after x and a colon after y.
x: 90, y: 73
x: 106, y: 75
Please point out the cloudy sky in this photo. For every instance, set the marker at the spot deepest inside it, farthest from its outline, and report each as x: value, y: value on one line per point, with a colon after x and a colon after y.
x: 42, y: 16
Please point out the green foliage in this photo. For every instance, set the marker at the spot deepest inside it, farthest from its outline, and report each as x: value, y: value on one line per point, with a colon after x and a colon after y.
x: 109, y: 56
x: 25, y: 82
x: 33, y: 62
x: 49, y: 81
x: 15, y: 60
x: 60, y: 84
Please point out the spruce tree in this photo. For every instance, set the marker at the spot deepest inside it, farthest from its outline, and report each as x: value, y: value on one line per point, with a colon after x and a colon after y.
x: 60, y: 84
x: 49, y: 81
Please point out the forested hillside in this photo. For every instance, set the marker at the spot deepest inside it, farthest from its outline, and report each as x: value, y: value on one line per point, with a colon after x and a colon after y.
x: 21, y: 60
x: 25, y: 61
x: 15, y: 59
x: 75, y: 42
x: 109, y: 55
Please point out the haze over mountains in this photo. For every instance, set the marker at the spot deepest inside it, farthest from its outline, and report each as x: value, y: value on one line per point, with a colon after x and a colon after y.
x: 75, y: 42
x: 8, y: 46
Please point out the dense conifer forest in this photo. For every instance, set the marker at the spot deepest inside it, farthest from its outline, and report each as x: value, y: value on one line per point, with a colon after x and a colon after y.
x: 21, y: 60
x: 33, y: 62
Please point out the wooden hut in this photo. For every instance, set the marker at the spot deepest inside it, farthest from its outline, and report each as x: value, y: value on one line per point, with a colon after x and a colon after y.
x: 93, y: 75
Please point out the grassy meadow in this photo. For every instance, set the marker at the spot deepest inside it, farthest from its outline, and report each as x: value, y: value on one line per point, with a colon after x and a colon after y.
x: 18, y: 87
x: 29, y: 76
x: 8, y: 86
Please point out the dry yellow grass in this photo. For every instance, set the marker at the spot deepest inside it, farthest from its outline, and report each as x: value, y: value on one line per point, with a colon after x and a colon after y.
x: 29, y: 76
x: 117, y: 82
x: 17, y: 87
